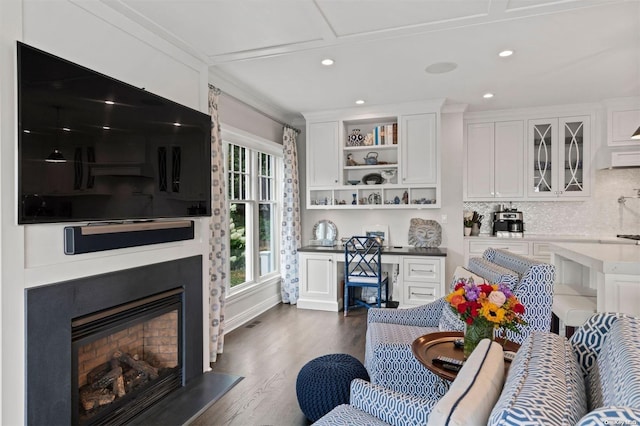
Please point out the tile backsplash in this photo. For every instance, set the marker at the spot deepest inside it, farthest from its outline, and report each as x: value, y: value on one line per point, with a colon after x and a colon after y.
x: 600, y: 215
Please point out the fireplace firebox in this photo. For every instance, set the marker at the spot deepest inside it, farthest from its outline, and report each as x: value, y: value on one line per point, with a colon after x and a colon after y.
x: 126, y: 358
x: 103, y: 349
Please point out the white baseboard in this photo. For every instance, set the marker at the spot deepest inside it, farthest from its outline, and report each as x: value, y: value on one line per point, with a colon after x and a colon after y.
x: 256, y: 307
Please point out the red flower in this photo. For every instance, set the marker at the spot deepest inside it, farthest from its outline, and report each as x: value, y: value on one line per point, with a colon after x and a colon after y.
x: 462, y: 307
x: 518, y: 308
x: 459, y: 285
x: 486, y: 289
x: 475, y: 308
x: 469, y: 320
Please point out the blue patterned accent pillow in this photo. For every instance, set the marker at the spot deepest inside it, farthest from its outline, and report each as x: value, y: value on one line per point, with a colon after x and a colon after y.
x: 513, y: 261
x: 544, y: 385
x: 493, y: 273
x: 450, y: 321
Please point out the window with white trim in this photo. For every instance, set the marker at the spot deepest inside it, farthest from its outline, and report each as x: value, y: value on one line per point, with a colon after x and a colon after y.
x: 254, y: 168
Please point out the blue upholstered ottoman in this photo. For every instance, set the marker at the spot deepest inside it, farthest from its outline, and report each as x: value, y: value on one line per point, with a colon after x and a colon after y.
x: 323, y: 383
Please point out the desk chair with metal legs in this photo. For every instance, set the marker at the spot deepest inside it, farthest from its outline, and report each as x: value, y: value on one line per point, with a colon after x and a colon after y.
x: 363, y: 268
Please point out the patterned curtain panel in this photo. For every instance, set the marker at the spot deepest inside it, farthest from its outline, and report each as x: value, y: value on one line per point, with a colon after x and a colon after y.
x: 218, y: 246
x: 290, y: 220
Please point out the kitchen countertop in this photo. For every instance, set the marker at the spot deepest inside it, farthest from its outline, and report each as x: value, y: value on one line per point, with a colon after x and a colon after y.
x: 604, y: 239
x: 605, y: 258
x: 395, y: 250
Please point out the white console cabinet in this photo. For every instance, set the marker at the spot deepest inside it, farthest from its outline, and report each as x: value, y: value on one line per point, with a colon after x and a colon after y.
x: 420, y: 278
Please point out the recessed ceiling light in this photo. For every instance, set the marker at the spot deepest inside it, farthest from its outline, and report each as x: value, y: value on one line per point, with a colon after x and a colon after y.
x: 441, y: 67
x: 505, y: 53
x: 177, y: 124
x: 488, y: 95
x: 109, y: 102
x: 327, y: 62
x: 360, y: 101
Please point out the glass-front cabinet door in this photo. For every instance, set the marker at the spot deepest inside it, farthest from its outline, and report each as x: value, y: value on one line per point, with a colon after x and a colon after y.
x: 573, y: 156
x: 558, y: 157
x: 543, y: 141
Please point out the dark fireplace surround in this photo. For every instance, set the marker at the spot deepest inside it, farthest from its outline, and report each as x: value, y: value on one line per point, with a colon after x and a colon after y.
x: 50, y: 310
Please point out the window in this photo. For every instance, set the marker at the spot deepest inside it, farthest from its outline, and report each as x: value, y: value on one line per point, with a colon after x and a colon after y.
x: 253, y: 171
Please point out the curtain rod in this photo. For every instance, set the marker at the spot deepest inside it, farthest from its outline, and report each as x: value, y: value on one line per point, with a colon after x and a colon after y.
x: 270, y: 117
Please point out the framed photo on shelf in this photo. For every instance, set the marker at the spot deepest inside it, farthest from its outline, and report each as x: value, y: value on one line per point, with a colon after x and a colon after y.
x: 381, y: 231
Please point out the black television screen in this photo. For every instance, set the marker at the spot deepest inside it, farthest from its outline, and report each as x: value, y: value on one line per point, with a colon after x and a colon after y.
x: 92, y: 148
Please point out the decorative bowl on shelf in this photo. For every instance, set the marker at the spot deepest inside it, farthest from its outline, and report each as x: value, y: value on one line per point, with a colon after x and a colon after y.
x: 372, y: 179
x: 353, y: 182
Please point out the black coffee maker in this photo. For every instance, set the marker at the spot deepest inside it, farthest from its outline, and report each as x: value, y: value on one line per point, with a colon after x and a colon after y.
x: 508, y: 223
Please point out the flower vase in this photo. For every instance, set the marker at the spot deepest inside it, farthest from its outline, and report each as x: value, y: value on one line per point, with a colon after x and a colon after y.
x: 475, y: 229
x: 467, y: 231
x: 475, y: 332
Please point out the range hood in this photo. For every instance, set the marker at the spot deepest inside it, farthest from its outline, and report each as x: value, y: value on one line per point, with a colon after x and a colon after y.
x: 627, y: 156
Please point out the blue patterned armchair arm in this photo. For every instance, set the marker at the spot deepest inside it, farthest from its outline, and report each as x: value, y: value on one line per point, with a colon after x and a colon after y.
x: 389, y: 406
x: 606, y: 416
x: 421, y: 316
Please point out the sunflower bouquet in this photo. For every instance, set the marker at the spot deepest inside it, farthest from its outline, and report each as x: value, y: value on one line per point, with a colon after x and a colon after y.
x: 484, y: 308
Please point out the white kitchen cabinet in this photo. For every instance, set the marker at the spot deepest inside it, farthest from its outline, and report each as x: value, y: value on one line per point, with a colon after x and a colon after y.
x: 318, y: 288
x: 494, y: 160
x: 622, y: 123
x: 323, y: 159
x: 422, y: 280
x: 338, y: 170
x: 420, y: 149
x: 559, y: 157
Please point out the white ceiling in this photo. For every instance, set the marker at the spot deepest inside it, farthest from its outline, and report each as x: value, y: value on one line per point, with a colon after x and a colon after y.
x: 567, y: 51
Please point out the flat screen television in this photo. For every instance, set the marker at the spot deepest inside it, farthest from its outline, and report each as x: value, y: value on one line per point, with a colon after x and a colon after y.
x: 92, y: 148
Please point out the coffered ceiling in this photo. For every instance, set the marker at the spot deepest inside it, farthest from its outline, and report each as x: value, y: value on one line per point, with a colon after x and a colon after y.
x: 566, y: 51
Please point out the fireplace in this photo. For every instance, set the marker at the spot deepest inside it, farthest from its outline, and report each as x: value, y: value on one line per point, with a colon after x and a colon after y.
x: 103, y: 349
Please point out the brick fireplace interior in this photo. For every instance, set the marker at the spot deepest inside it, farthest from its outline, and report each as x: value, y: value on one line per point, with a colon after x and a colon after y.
x: 102, y: 349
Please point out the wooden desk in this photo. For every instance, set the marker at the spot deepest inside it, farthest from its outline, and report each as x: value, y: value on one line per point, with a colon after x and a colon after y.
x: 426, y: 348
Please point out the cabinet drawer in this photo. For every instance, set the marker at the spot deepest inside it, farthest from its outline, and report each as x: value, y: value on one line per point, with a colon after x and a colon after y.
x: 421, y: 269
x: 541, y: 249
x: 476, y: 248
x: 420, y: 294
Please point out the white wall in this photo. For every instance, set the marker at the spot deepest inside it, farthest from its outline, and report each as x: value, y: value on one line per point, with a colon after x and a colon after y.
x: 32, y: 255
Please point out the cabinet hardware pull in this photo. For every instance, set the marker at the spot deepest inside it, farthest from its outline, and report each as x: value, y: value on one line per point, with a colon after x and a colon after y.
x: 421, y: 270
x: 330, y: 260
x: 413, y: 293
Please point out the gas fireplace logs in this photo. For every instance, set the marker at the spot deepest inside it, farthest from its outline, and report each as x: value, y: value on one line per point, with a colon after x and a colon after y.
x: 122, y: 374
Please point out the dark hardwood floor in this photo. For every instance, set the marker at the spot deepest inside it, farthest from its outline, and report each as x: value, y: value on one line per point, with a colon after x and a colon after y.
x: 269, y: 352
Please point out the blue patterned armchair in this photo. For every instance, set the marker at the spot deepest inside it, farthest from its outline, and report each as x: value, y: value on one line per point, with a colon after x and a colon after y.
x: 592, y: 379
x: 390, y: 332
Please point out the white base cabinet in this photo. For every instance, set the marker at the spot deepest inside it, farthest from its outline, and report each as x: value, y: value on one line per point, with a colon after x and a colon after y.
x: 420, y: 279
x: 318, y: 289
